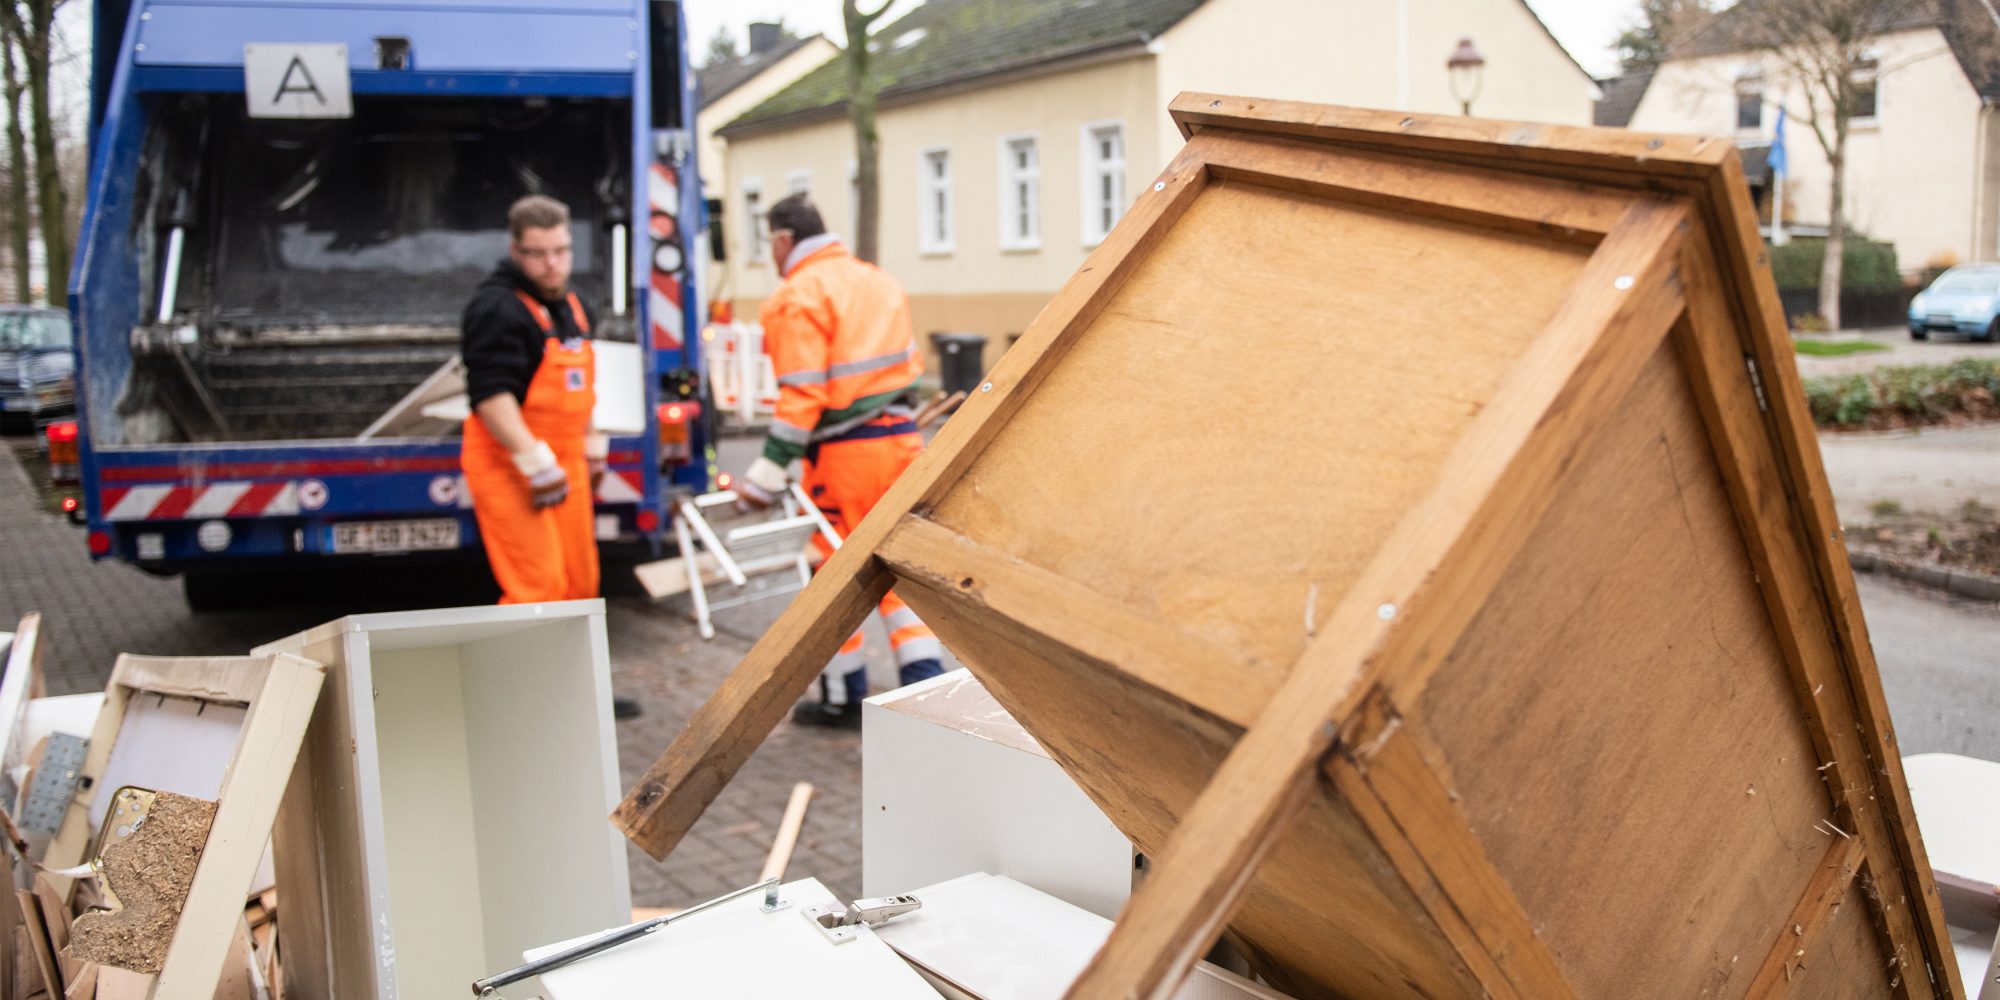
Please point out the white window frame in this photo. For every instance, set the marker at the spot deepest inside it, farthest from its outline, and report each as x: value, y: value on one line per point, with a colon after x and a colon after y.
x: 1092, y: 171
x: 1012, y: 177
x: 756, y: 237
x: 1873, y: 75
x: 930, y: 217
x: 1749, y: 80
x: 798, y: 181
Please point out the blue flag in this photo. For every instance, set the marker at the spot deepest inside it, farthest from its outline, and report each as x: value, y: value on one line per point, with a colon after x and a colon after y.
x: 1776, y: 158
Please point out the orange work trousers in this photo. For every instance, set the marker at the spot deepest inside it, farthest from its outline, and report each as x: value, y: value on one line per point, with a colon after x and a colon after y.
x: 846, y: 478
x: 546, y: 554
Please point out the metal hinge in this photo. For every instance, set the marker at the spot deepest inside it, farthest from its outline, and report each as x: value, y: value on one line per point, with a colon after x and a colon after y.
x: 1757, y: 383
x: 842, y: 922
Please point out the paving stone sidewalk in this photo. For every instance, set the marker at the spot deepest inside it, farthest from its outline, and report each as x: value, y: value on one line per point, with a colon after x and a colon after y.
x: 92, y: 612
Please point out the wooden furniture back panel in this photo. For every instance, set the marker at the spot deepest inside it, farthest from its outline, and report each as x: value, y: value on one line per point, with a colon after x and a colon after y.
x: 1231, y: 439
x: 1328, y: 912
x: 1626, y: 678
x: 1848, y: 961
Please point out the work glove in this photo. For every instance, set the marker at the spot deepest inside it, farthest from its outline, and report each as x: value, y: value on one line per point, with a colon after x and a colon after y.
x: 761, y: 486
x: 547, y: 485
x: 597, y: 452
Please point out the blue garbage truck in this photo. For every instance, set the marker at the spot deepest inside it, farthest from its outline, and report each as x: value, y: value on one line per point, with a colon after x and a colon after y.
x: 290, y: 202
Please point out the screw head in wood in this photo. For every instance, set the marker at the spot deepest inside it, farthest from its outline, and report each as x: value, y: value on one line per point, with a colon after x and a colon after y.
x: 1386, y: 612
x: 1623, y: 283
x: 987, y: 387
x: 1159, y: 185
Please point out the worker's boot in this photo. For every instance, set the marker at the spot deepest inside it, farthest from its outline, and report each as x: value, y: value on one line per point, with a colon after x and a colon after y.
x: 829, y: 714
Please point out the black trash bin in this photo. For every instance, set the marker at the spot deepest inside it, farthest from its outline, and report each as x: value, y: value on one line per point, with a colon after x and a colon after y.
x: 961, y: 358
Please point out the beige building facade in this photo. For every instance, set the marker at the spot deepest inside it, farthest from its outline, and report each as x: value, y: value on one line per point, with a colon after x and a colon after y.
x: 750, y: 81
x: 1923, y: 171
x: 994, y: 189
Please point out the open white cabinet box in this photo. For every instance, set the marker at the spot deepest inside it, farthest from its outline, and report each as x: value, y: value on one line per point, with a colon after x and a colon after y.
x: 448, y: 809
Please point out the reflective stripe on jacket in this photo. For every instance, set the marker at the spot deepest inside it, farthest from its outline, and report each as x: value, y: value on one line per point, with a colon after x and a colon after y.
x: 839, y: 335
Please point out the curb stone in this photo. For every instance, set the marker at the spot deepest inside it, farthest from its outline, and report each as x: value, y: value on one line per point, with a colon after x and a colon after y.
x: 1963, y: 583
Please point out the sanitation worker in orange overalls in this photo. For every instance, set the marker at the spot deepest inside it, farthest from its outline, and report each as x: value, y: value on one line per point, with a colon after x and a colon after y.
x: 839, y: 335
x: 530, y: 455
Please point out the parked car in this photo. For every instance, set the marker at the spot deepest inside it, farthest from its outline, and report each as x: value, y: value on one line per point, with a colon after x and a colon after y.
x: 37, y: 381
x: 1962, y: 300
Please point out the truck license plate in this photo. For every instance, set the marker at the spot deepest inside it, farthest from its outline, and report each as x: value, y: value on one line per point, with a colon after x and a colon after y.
x: 396, y: 536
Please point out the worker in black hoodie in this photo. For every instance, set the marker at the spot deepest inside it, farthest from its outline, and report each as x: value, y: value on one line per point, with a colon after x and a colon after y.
x: 532, y: 459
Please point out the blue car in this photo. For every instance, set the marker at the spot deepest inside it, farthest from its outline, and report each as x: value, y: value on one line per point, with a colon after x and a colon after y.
x: 1962, y: 300
x: 37, y: 380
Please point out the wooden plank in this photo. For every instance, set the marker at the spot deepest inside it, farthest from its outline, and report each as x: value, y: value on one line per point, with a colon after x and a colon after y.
x: 1809, y: 919
x: 1850, y: 960
x: 663, y: 805
x: 286, y: 688
x: 1387, y: 759
x: 1044, y: 607
x: 321, y: 796
x: 39, y: 945
x: 780, y: 856
x: 1532, y: 206
x: 17, y: 684
x: 1502, y: 143
x: 1789, y: 538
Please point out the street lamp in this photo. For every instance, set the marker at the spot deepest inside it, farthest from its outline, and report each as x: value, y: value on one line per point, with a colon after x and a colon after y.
x: 1466, y: 67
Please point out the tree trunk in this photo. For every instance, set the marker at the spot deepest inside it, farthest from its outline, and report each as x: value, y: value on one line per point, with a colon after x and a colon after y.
x: 51, y: 200
x: 861, y: 88
x: 18, y: 218
x: 1836, y: 231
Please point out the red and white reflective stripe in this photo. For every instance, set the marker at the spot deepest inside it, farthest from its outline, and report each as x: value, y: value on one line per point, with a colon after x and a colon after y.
x: 663, y: 194
x: 158, y: 502
x: 620, y: 487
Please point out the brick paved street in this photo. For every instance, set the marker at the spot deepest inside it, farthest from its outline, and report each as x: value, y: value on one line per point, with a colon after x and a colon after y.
x: 93, y: 612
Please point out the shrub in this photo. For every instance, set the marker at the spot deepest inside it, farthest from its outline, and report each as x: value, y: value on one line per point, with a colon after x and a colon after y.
x: 1866, y: 266
x: 1920, y: 394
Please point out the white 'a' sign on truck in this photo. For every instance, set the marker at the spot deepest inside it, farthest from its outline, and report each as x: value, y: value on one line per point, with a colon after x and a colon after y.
x: 297, y: 80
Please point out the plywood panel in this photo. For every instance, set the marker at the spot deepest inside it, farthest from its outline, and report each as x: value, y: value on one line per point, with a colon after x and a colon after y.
x: 1621, y: 726
x: 1325, y: 907
x: 1848, y: 961
x: 429, y: 835
x: 1277, y: 353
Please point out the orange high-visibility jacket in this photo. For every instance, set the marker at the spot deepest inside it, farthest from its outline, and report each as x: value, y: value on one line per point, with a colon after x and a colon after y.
x: 839, y: 336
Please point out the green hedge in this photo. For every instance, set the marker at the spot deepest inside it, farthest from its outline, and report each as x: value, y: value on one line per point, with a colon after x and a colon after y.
x: 1866, y: 266
x: 1920, y: 394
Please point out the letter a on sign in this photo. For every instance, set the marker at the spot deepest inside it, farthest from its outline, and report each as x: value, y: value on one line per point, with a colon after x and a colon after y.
x: 297, y: 81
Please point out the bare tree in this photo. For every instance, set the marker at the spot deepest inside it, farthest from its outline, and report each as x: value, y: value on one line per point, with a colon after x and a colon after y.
x: 721, y: 47
x: 1824, y: 50
x: 862, y: 88
x: 32, y: 22
x: 1662, y: 24
x: 18, y: 218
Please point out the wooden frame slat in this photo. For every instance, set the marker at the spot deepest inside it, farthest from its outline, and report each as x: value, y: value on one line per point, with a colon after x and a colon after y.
x: 1388, y: 769
x: 1795, y: 940
x: 1765, y: 499
x: 1061, y: 611
x: 1551, y: 210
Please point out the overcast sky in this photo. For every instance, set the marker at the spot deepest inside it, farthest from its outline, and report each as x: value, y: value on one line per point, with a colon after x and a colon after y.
x: 1586, y: 27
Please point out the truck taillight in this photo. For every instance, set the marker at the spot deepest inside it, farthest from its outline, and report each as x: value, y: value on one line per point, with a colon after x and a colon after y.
x: 99, y: 542
x: 647, y: 520
x: 674, y: 421
x: 62, y: 443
